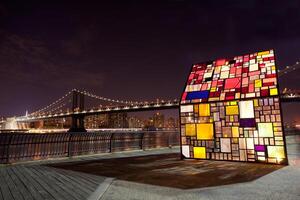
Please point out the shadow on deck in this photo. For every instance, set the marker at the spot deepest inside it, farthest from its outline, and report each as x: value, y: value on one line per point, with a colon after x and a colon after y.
x: 168, y: 170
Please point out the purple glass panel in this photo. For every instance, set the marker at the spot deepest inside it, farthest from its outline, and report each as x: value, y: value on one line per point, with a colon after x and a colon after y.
x: 259, y: 148
x: 249, y: 122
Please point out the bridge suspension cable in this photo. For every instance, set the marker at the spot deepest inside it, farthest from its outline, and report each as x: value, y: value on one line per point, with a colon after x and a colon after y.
x: 57, y: 102
x: 107, y: 99
x: 288, y: 69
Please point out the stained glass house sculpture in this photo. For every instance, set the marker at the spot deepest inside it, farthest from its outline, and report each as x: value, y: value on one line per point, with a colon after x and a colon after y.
x: 230, y: 110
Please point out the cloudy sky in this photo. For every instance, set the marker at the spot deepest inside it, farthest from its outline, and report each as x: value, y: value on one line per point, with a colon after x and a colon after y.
x: 136, y: 50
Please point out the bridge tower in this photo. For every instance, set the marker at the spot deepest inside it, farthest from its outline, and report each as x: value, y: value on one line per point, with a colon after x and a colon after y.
x: 77, y: 106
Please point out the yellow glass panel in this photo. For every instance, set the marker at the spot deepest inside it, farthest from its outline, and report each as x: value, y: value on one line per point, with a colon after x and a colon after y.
x: 233, y: 103
x: 205, y: 131
x: 190, y: 129
x: 276, y: 152
x: 263, y: 53
x: 232, y: 110
x: 258, y: 83
x: 273, y: 91
x: 276, y: 128
x: 235, y: 132
x: 265, y: 129
x: 199, y: 152
x: 196, y: 108
x: 204, y: 110
x: 255, y: 102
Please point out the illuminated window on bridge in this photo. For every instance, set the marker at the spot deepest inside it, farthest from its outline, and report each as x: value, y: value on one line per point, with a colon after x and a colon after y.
x: 230, y: 110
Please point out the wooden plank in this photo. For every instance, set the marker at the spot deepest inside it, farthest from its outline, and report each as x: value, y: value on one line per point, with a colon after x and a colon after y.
x: 13, y: 185
x: 19, y: 185
x: 76, y: 180
x: 4, y: 187
x: 46, y: 184
x: 84, y: 177
x: 63, y: 185
x: 66, y: 192
x: 29, y: 183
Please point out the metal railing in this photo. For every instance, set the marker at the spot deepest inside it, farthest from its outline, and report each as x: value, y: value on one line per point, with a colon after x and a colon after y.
x: 16, y: 147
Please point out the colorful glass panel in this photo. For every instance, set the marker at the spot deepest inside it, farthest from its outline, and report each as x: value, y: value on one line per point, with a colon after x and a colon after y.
x: 205, y: 131
x: 250, y: 75
x: 190, y: 130
x: 230, y: 110
x: 204, y: 110
x: 199, y: 152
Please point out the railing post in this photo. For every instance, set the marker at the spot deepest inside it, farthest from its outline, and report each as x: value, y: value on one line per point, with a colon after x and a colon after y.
x: 170, y: 139
x: 8, y: 148
x: 142, y: 141
x: 69, y: 144
x: 110, y: 142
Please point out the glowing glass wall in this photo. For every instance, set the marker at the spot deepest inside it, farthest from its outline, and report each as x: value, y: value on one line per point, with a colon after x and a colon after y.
x: 230, y: 110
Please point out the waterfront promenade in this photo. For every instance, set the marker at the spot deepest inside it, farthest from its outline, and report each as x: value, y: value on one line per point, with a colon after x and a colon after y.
x: 53, y: 179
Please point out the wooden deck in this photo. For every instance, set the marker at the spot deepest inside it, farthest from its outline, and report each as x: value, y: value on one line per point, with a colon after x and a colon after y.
x: 36, y: 181
x: 40, y: 182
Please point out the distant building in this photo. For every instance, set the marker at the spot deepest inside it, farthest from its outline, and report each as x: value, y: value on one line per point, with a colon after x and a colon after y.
x: 159, y: 120
x: 96, y: 121
x: 117, y: 120
x: 135, y: 122
x: 171, y: 123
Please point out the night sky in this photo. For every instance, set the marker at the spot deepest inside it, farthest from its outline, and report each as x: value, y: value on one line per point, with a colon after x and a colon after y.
x: 135, y: 50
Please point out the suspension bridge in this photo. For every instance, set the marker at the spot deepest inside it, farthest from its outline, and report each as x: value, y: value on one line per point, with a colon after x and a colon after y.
x: 74, y: 104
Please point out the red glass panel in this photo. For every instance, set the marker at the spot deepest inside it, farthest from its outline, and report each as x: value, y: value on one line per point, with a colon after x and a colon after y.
x: 232, y: 70
x: 214, y: 83
x: 184, y: 96
x: 220, y: 62
x: 245, y: 69
x: 264, y: 93
x: 212, y: 94
x: 238, y: 71
x: 268, y: 84
x: 246, y: 58
x: 251, y: 87
x: 270, y: 75
x: 232, y: 83
x: 244, y: 90
x: 229, y: 96
x: 254, y: 73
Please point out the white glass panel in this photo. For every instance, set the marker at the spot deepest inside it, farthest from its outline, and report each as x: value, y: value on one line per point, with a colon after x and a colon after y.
x: 185, y: 150
x: 186, y: 108
x: 225, y: 145
x: 246, y: 109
